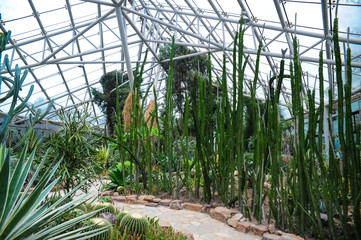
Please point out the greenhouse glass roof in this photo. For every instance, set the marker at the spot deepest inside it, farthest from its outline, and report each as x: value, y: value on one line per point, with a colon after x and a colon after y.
x: 67, y: 45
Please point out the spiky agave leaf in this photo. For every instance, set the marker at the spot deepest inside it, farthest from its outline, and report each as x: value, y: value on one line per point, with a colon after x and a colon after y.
x: 24, y: 215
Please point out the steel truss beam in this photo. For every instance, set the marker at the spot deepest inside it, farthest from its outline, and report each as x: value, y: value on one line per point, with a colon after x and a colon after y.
x: 191, y: 27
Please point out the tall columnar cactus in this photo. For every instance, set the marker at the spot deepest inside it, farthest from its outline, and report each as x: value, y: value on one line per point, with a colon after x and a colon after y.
x: 14, y: 83
x: 350, y: 161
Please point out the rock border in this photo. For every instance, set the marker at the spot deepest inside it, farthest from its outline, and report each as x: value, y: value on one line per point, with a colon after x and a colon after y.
x: 232, y: 217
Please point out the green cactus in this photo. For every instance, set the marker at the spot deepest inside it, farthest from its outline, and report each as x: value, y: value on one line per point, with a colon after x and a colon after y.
x: 82, y: 207
x: 108, y: 207
x: 120, y: 216
x: 101, y: 223
x: 134, y: 223
x: 14, y: 83
x: 120, y: 190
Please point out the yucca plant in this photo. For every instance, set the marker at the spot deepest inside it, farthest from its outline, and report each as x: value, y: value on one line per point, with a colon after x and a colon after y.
x: 27, y: 215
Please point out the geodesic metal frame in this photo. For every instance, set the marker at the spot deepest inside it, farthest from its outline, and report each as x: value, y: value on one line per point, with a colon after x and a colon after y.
x: 134, y: 25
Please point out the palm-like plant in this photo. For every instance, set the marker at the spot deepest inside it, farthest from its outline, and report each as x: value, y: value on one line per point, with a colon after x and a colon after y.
x: 116, y: 175
x: 26, y: 215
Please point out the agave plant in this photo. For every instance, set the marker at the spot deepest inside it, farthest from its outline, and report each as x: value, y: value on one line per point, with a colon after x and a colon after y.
x: 27, y: 215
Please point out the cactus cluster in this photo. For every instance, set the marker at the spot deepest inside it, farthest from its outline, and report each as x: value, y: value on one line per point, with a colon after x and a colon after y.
x: 107, y: 207
x: 120, y: 216
x: 100, y: 223
x: 134, y: 223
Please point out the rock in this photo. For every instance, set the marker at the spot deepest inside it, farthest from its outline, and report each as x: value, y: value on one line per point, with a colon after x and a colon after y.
x: 234, y: 211
x: 131, y: 199
x: 279, y: 232
x: 119, y: 198
x: 206, y: 208
x: 156, y: 200
x: 107, y: 193
x: 324, y: 219
x: 268, y: 236
x: 221, y: 213
x: 244, y: 227
x: 152, y: 204
x: 176, y: 205
x: 259, y: 230
x: 271, y: 228
x: 214, y: 204
x: 243, y: 220
x: 192, y: 207
x: 165, y: 202
x: 133, y: 196
x: 109, y: 217
x: 149, y: 198
x: 288, y: 236
x: 234, y: 220
x: 141, y: 202
x: 141, y: 197
x: 116, y: 194
x: 164, y: 224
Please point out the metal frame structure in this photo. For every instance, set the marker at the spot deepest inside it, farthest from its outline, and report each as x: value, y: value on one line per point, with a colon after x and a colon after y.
x: 84, y: 47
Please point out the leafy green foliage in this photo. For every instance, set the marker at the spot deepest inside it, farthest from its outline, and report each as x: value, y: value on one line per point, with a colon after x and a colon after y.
x: 184, y: 71
x: 107, y: 99
x: 116, y: 175
x: 74, y: 143
x: 103, y: 157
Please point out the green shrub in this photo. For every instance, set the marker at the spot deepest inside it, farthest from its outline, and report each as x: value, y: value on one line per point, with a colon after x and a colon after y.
x: 116, y: 175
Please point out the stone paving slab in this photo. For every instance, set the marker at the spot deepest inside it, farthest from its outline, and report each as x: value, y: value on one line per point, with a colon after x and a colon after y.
x: 203, y: 226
